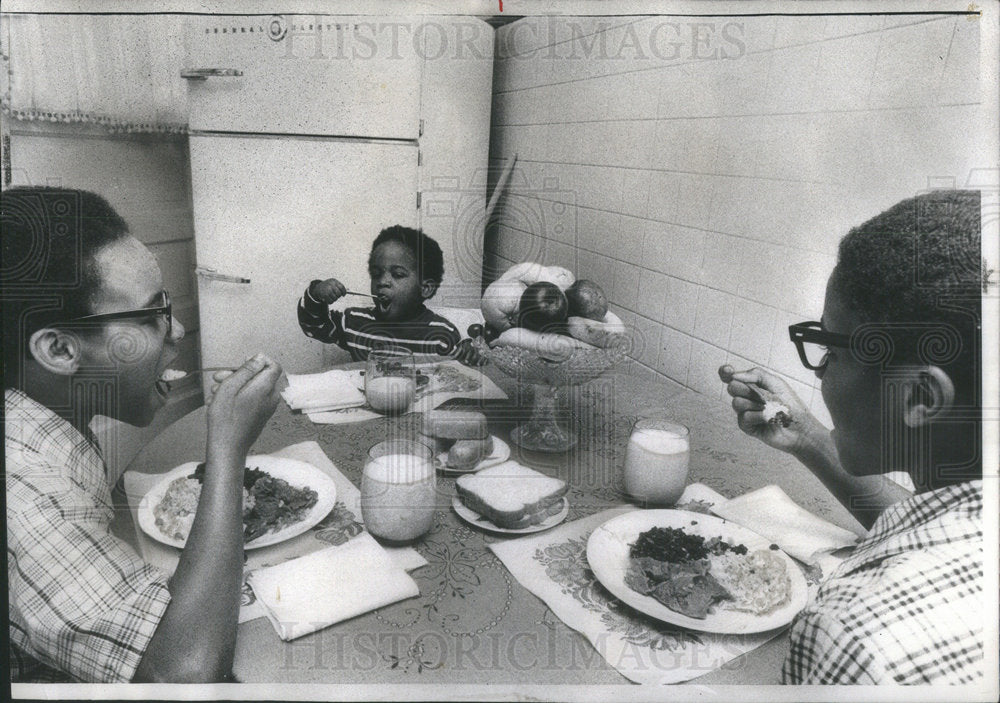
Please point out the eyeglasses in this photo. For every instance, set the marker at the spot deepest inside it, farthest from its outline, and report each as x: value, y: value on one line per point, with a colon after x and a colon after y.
x: 812, y: 343
x: 164, y: 309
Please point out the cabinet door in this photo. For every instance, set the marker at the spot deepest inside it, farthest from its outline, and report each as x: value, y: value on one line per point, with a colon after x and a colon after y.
x: 281, y: 212
x: 352, y: 76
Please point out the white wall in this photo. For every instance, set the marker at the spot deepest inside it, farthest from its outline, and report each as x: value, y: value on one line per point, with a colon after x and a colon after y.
x: 708, y: 194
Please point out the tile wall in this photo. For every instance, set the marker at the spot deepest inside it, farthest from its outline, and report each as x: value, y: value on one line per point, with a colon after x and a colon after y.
x: 703, y: 169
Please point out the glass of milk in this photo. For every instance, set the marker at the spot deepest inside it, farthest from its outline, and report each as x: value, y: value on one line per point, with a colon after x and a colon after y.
x: 390, y: 380
x: 656, y: 461
x: 398, y: 490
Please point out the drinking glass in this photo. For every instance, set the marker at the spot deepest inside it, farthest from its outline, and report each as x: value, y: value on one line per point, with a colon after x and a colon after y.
x: 656, y: 461
x: 398, y: 490
x: 390, y: 380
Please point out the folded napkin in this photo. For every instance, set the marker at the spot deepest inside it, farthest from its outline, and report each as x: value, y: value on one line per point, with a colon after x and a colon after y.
x: 309, y: 593
x: 316, y: 392
x: 772, y: 514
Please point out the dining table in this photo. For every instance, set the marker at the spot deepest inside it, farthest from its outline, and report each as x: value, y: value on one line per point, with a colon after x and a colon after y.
x: 474, y: 624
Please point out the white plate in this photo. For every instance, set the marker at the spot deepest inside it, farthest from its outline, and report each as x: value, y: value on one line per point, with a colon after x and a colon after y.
x: 608, y: 557
x: 477, y: 520
x: 500, y: 454
x: 297, y: 473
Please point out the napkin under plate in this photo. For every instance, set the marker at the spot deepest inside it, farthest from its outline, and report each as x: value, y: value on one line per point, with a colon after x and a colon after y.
x: 304, y: 595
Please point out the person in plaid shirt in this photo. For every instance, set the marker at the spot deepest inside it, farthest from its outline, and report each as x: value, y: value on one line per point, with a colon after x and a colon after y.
x: 898, y: 352
x: 88, y: 329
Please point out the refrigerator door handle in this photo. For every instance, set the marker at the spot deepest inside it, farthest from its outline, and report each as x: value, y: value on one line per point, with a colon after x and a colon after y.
x: 201, y: 74
x: 213, y: 275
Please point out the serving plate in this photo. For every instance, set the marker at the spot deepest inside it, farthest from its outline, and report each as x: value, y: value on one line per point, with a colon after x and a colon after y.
x: 477, y: 520
x: 608, y: 557
x: 297, y: 473
x: 500, y: 454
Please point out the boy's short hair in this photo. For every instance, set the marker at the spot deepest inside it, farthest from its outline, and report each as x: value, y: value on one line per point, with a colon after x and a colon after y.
x: 917, y: 268
x: 430, y: 260
x: 50, y: 239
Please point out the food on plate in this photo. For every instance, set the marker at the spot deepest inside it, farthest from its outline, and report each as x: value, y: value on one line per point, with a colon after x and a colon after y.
x: 269, y: 504
x: 758, y: 581
x: 441, y: 429
x: 542, y: 307
x: 691, y: 575
x: 586, y: 299
x: 464, y: 454
x: 547, y: 345
x: 512, y: 496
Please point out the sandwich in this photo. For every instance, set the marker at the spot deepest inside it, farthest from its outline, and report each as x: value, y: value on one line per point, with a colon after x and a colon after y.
x: 460, y: 433
x: 512, y: 496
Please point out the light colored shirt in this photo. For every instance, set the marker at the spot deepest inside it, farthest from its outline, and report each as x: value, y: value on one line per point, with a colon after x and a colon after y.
x: 906, y: 606
x: 83, y: 605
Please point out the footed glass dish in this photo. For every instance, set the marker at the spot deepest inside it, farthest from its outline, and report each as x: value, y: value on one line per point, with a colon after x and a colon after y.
x: 543, y: 433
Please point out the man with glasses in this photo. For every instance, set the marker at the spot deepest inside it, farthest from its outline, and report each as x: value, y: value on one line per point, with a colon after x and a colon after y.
x: 87, y: 330
x: 898, y: 353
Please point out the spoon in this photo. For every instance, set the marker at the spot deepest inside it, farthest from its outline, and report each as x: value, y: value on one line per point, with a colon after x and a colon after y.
x: 363, y: 295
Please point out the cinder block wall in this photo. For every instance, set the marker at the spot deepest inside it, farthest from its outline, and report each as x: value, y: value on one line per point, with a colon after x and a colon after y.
x: 703, y: 170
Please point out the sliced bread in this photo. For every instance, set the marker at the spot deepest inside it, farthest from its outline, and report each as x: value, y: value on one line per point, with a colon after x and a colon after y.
x: 510, y: 495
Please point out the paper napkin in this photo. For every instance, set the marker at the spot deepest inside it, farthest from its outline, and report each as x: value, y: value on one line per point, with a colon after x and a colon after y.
x: 316, y: 392
x: 312, y: 592
x: 772, y: 514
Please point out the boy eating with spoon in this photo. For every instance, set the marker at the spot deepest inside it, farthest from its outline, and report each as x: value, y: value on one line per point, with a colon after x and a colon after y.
x: 406, y: 267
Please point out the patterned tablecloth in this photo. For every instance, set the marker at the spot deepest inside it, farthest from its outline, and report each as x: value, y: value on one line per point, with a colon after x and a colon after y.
x: 473, y: 623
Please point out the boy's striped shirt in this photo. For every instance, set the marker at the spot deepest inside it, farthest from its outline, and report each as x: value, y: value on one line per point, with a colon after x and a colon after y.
x: 358, y: 331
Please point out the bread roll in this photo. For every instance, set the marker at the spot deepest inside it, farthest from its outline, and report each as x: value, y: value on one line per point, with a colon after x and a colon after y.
x: 455, y: 424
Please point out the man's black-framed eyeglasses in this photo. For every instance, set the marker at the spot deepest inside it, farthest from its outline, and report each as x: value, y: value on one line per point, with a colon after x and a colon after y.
x: 813, y: 342
x: 163, y: 308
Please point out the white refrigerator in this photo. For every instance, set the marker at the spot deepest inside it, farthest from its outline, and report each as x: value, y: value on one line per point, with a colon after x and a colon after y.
x: 306, y: 141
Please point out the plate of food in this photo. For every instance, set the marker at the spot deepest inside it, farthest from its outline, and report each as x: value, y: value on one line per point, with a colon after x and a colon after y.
x: 469, y: 456
x: 697, y: 571
x: 461, y: 442
x: 511, y: 498
x: 282, y: 498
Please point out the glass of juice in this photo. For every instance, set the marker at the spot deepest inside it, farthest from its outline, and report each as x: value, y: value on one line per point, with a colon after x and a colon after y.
x: 656, y: 461
x: 398, y: 490
x: 390, y: 380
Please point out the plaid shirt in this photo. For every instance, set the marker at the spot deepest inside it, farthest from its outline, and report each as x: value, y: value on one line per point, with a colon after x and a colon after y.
x: 83, y: 605
x: 906, y: 606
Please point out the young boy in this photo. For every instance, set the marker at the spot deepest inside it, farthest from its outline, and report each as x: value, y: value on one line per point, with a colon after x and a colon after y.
x: 406, y: 267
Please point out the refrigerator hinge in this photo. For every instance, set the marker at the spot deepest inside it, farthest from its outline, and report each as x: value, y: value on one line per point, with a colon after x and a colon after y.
x: 420, y: 158
x: 418, y: 199
x: 420, y: 129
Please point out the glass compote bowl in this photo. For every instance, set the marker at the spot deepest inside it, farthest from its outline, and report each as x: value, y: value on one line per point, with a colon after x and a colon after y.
x: 543, y: 433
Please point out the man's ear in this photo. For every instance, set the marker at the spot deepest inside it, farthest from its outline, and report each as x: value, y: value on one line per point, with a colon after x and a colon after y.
x: 55, y: 350
x: 930, y: 392
x: 428, y: 287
